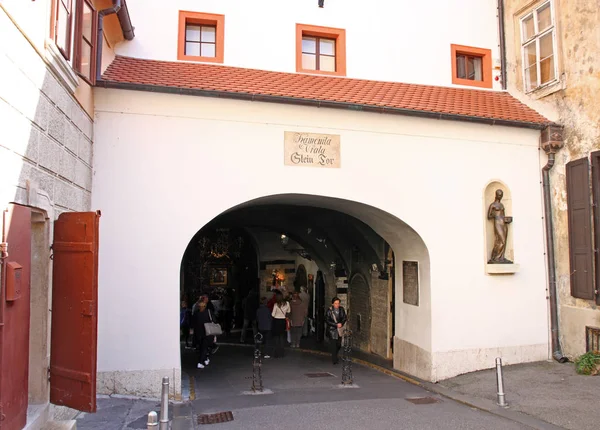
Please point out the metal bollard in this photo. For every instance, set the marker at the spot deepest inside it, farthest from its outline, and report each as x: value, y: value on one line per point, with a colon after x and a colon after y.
x: 152, y: 421
x: 347, y: 378
x: 257, y: 383
x: 164, y: 405
x: 500, y: 384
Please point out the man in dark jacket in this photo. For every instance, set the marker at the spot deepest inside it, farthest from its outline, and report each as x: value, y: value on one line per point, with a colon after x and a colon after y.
x: 335, y: 319
x: 264, y: 320
x: 250, y: 306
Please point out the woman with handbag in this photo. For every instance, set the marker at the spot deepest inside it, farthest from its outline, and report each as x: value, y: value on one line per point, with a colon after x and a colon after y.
x: 281, y: 309
x: 335, y: 319
x: 203, y: 320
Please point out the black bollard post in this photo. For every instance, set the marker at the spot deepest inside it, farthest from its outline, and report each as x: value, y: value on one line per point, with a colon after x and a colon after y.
x: 347, y: 378
x: 257, y: 383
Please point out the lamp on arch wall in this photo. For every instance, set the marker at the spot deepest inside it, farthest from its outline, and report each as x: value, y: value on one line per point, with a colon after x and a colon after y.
x: 321, y: 3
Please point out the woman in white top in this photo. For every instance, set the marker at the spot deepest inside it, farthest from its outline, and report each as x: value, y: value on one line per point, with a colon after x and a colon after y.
x: 281, y: 311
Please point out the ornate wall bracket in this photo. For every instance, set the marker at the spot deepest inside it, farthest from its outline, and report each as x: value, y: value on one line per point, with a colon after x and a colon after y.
x: 552, y: 139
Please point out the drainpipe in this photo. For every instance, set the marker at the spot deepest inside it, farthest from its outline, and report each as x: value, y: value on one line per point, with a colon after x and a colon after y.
x: 502, y: 43
x: 551, y: 141
x: 120, y: 8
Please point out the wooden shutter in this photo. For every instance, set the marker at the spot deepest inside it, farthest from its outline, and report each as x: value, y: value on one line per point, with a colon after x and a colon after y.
x: 596, y: 197
x: 74, y: 311
x: 580, y: 232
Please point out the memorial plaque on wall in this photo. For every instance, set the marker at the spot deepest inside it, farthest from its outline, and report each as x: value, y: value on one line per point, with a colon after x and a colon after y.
x: 312, y: 150
x: 410, y: 282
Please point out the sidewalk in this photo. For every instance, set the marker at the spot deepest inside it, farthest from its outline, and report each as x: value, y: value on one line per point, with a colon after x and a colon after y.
x: 543, y: 395
x: 546, y: 390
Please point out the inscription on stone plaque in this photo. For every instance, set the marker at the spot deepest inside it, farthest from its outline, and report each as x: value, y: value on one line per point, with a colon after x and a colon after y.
x: 410, y: 282
x: 312, y: 150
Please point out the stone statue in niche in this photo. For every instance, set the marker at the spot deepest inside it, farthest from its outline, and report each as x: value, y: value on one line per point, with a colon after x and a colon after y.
x: 496, y: 214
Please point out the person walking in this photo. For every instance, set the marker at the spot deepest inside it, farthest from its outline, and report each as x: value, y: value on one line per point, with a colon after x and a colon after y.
x: 335, y: 319
x: 185, y: 316
x: 264, y: 323
x: 298, y: 314
x: 280, y: 313
x: 250, y: 306
x: 202, y: 316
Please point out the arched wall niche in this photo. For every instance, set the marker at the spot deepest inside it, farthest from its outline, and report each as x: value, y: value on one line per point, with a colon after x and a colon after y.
x: 489, y: 195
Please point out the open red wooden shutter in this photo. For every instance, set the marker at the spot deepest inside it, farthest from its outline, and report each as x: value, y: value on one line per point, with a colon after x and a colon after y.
x: 580, y: 232
x: 74, y: 311
x: 596, y: 196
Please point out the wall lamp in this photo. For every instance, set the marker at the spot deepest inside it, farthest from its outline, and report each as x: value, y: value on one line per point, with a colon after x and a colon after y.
x: 321, y: 3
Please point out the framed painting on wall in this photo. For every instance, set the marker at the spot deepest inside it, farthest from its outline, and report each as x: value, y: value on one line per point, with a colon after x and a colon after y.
x: 218, y: 276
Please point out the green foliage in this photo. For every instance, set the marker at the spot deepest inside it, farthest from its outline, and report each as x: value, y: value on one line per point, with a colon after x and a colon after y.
x: 588, y: 363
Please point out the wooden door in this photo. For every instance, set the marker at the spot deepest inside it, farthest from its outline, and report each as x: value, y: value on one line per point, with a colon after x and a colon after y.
x: 74, y: 311
x: 14, y: 319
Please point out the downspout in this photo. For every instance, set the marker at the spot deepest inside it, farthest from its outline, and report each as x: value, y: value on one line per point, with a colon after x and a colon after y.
x: 120, y: 8
x: 550, y: 146
x: 502, y: 43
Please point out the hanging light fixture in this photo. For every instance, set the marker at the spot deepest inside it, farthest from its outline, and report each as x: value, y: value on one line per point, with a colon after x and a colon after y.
x: 321, y: 3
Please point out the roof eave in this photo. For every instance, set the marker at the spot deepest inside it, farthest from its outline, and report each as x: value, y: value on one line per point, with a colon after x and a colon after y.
x: 318, y: 103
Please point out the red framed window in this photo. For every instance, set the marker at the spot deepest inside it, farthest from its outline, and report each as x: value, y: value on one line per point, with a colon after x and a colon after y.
x: 62, y: 26
x: 85, y: 45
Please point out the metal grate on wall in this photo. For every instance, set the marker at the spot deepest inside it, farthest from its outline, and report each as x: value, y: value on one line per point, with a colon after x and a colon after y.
x: 592, y: 339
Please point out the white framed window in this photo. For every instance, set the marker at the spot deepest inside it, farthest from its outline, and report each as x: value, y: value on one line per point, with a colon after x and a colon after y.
x: 538, y: 47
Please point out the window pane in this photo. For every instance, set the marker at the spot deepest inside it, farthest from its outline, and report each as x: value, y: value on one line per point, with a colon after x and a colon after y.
x: 86, y: 23
x: 528, y: 28
x: 209, y: 34
x: 327, y: 47
x: 326, y: 63
x: 209, y: 50
x: 62, y: 28
x: 470, y: 68
x: 309, y: 62
x: 86, y: 59
x: 192, y: 33
x: 309, y: 45
x: 546, y: 46
x: 547, y: 70
x: 461, y: 69
x: 530, y: 55
x: 544, y: 18
x: 192, y: 48
x: 478, y: 69
x: 531, y: 78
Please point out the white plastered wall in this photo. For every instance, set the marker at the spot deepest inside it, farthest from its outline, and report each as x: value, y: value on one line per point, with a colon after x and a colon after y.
x: 165, y: 165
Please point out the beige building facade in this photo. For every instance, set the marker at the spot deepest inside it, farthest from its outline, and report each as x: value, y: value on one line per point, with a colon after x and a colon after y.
x: 553, y: 65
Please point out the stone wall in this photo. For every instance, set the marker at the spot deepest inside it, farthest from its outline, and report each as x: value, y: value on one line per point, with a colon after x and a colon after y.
x: 46, y: 137
x: 574, y: 103
x: 46, y: 163
x: 380, y: 314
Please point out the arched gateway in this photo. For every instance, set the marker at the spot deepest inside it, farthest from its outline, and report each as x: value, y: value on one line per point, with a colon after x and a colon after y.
x: 348, y: 242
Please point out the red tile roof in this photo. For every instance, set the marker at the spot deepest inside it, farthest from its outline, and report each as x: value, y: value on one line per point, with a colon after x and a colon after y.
x: 358, y: 94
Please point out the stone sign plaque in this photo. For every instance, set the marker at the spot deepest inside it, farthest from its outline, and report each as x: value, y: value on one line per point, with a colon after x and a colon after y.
x: 312, y: 150
x: 410, y: 282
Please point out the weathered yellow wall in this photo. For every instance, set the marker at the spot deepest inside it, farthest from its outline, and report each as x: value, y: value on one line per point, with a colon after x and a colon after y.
x: 574, y: 103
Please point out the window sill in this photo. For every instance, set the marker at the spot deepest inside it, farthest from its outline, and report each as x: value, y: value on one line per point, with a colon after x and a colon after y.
x: 472, y: 83
x: 320, y: 73
x: 61, y: 67
x: 216, y: 60
x: 546, y: 90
